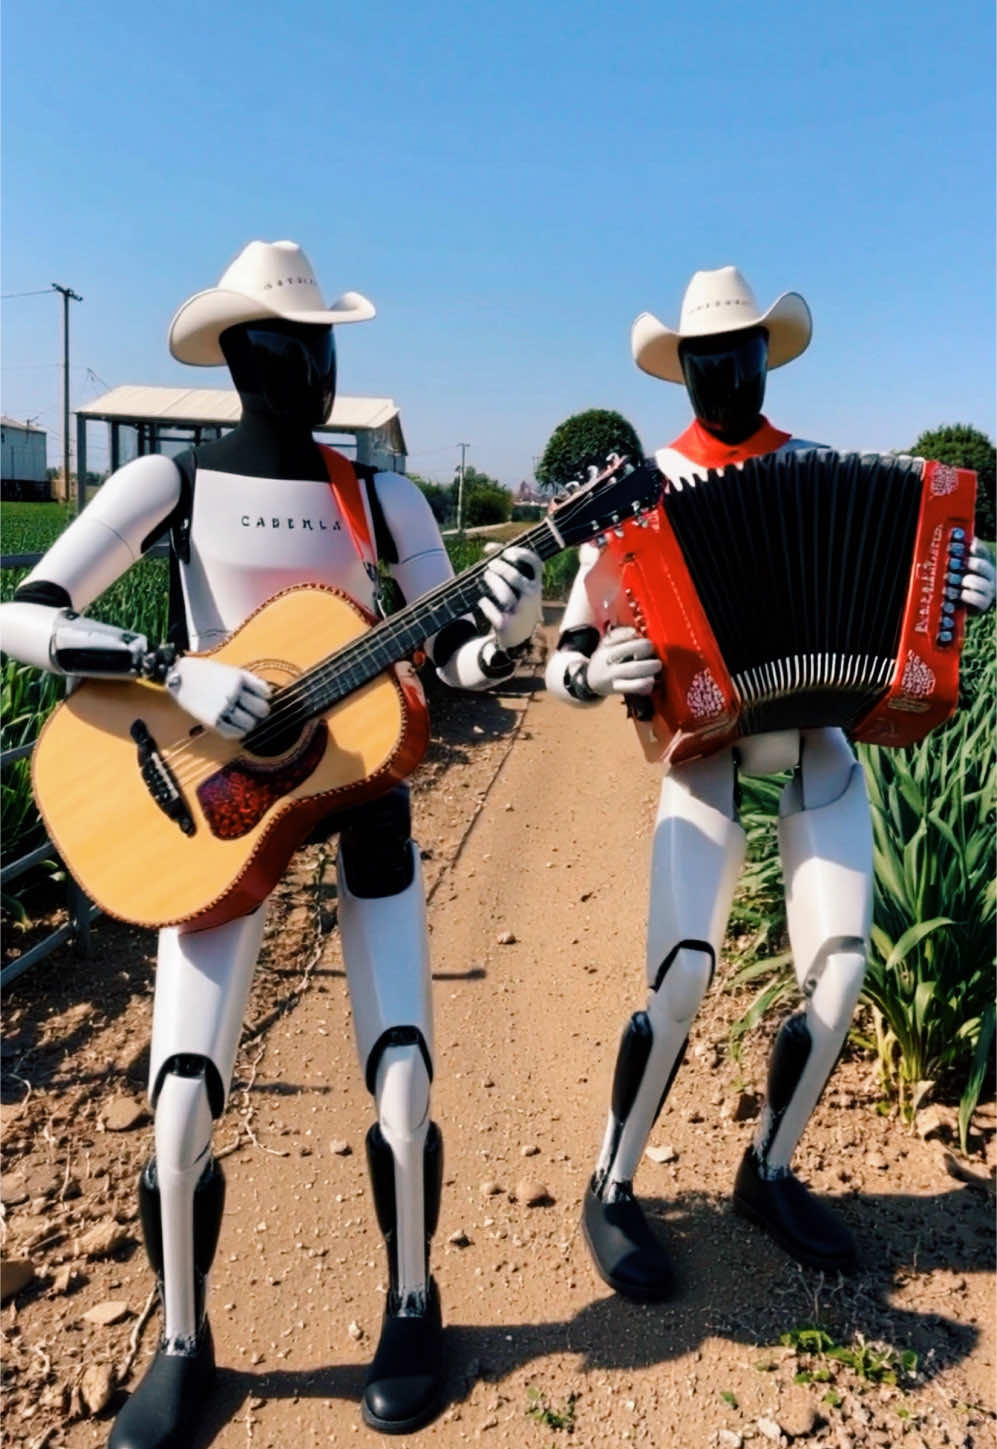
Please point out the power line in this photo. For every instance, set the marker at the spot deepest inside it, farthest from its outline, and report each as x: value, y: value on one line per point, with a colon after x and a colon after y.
x: 41, y: 292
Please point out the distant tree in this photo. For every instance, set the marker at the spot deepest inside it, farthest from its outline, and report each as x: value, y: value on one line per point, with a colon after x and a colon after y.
x: 441, y: 498
x: 585, y: 440
x: 485, y: 500
x: 964, y: 446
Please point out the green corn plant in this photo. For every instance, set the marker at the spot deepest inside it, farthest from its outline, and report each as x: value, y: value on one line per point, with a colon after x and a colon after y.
x: 930, y: 981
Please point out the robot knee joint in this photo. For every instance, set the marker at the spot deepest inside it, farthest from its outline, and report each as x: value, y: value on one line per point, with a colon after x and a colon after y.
x: 186, y: 1064
x: 682, y: 980
x: 401, y: 1083
x: 184, y: 1118
x: 843, y: 960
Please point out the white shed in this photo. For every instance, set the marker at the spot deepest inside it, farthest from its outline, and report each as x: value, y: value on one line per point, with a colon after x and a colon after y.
x: 23, y: 460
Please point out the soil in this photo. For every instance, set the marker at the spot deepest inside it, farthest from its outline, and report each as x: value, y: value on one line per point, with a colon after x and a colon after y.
x: 535, y: 824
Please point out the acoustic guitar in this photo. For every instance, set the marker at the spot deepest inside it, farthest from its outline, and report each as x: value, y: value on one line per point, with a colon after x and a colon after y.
x: 164, y: 822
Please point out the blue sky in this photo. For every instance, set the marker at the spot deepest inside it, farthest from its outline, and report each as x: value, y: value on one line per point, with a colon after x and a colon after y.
x: 512, y: 184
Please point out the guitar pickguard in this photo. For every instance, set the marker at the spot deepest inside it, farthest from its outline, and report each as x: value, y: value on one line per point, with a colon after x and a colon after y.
x: 235, y: 798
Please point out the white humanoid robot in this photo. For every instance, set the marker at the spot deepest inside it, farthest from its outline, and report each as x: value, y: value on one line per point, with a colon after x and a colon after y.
x: 249, y: 515
x: 721, y: 351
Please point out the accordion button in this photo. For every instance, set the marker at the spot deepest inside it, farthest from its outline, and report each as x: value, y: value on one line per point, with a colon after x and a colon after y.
x: 945, y: 637
x: 958, y: 533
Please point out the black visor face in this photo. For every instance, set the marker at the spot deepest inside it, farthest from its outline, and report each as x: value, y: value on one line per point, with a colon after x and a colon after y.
x: 725, y: 378
x: 289, y: 368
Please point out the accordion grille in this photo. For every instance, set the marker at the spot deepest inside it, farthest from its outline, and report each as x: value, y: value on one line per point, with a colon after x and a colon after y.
x: 802, y: 564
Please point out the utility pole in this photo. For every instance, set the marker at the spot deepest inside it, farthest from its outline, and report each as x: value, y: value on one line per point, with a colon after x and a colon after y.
x: 67, y: 293
x: 460, y: 487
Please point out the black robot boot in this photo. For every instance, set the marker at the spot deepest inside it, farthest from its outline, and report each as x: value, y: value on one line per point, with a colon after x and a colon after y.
x: 776, y: 1200
x: 627, y: 1254
x: 162, y: 1412
x: 404, y: 1387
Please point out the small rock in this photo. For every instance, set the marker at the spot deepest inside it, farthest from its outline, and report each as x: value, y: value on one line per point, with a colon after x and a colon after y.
x: 101, y: 1239
x: 930, y: 1122
x: 489, y: 1188
x: 354, y: 1330
x: 727, y: 1439
x: 13, y: 1189
x: 507, y: 938
x: 531, y: 1193
x: 95, y: 1386
x: 797, y: 1414
x: 15, y: 1274
x: 529, y: 1149
x: 111, y: 1311
x: 745, y: 1109
x: 665, y: 1153
x: 339, y: 1147
x: 491, y: 1422
x: 876, y: 1161
x: 459, y: 1239
x: 770, y: 1429
x: 123, y: 1113
x: 65, y: 1278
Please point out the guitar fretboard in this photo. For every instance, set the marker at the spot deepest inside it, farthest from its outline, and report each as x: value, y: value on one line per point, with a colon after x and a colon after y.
x: 348, y: 669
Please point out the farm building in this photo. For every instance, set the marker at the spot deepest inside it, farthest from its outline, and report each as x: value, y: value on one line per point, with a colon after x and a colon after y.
x: 23, y: 462
x: 169, y: 419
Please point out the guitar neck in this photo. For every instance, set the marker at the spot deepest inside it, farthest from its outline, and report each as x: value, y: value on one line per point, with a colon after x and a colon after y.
x: 348, y: 669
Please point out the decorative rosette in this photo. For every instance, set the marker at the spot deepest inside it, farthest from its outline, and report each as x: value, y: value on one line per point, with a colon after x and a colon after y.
x: 704, y: 697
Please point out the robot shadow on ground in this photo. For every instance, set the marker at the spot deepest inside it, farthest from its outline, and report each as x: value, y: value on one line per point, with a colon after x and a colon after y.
x: 901, y: 1238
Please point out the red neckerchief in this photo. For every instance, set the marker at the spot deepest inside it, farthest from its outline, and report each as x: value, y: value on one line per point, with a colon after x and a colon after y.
x: 699, y: 445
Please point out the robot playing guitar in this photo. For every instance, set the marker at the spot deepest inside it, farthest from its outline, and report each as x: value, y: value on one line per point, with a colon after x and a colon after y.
x: 257, y: 512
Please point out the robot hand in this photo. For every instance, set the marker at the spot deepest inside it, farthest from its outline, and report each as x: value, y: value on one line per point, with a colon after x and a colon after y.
x: 978, y: 583
x: 229, y: 700
x: 511, y: 601
x: 623, y: 663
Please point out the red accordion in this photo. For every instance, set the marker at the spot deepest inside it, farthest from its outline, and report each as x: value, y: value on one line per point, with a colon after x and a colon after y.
x: 800, y: 590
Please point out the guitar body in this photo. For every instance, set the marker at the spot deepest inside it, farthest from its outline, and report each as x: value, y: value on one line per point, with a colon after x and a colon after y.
x: 111, y: 748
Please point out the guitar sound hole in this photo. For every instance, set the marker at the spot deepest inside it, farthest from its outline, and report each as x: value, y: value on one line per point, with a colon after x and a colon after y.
x: 280, y: 742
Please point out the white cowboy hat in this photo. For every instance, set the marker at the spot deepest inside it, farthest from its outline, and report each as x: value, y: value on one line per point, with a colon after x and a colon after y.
x: 720, y: 301
x: 267, y: 279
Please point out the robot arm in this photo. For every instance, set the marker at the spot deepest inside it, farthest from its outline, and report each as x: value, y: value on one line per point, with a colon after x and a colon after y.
x: 469, y: 653
x: 587, y: 666
x: 43, y: 624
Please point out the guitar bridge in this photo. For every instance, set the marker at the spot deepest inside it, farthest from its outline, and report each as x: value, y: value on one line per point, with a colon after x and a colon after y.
x: 159, y: 779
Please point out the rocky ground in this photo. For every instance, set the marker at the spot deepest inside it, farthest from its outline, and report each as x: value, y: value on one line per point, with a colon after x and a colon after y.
x: 535, y: 822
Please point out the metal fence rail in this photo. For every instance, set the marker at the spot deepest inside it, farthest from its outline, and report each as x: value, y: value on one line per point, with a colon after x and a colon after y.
x: 81, y: 910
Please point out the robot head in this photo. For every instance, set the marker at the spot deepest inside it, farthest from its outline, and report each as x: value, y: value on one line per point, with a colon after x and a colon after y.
x: 284, y: 369
x: 725, y: 377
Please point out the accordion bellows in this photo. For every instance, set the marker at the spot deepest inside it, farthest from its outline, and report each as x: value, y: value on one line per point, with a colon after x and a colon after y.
x: 800, y: 590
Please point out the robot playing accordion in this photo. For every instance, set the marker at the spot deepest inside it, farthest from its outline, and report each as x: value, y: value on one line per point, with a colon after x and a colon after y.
x: 780, y: 596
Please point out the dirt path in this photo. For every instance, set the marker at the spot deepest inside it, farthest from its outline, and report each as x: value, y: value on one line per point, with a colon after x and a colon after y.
x: 535, y: 821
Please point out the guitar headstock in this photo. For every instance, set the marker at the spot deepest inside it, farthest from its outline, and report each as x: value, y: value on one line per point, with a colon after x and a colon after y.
x: 606, y: 499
